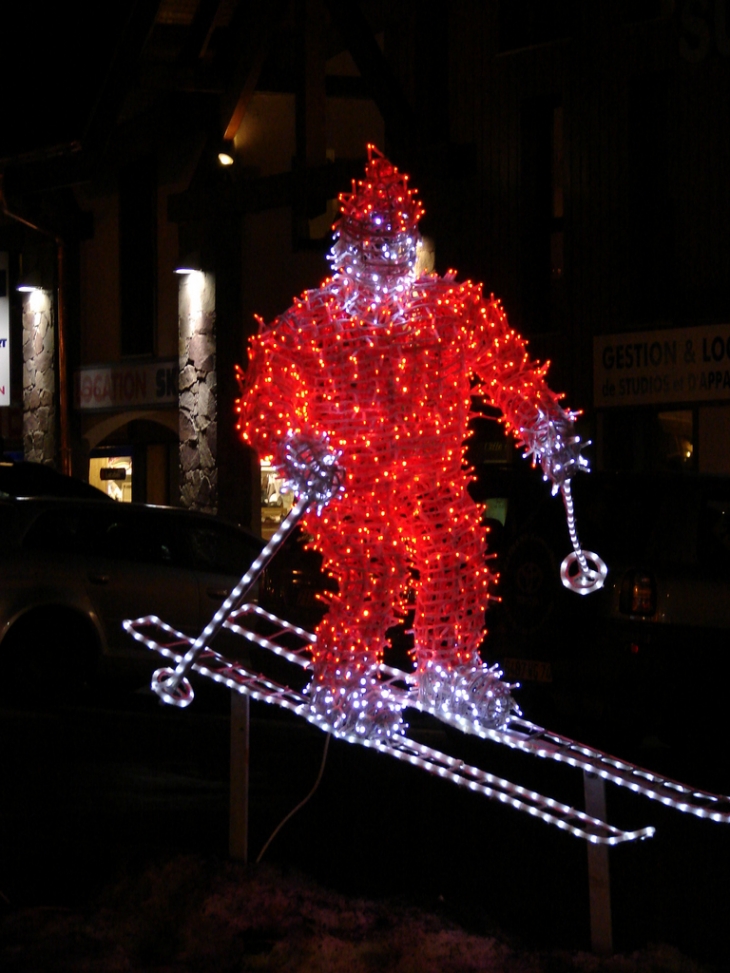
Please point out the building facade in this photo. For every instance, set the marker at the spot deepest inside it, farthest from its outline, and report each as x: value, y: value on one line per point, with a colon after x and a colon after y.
x: 571, y: 156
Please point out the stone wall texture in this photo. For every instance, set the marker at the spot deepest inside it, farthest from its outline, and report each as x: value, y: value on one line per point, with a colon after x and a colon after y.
x: 198, y: 394
x: 39, y: 379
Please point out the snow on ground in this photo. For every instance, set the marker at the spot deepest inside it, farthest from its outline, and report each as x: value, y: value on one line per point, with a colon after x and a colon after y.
x: 197, y: 914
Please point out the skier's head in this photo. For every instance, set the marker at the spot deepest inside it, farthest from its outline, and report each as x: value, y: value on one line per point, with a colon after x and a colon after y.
x: 377, y: 232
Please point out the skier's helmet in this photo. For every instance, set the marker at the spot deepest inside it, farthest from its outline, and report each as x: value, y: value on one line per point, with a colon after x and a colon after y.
x: 377, y: 232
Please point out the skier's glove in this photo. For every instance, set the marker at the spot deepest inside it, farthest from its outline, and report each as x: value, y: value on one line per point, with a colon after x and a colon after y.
x: 552, y: 442
x: 310, y: 466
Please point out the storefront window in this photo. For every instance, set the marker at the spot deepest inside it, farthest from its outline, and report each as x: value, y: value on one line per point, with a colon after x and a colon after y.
x: 677, y: 439
x: 275, y: 505
x: 648, y: 441
x: 112, y: 475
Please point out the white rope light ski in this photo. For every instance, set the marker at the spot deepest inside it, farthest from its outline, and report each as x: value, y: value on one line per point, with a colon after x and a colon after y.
x: 520, y: 735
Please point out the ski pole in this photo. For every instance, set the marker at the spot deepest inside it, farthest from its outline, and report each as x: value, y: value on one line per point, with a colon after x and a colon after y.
x: 311, y: 468
x: 587, y: 578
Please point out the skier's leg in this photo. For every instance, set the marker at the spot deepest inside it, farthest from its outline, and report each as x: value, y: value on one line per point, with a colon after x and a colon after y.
x: 451, y: 599
x: 345, y: 690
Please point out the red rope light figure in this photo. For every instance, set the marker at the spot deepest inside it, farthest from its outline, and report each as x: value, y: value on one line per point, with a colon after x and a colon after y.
x: 382, y: 364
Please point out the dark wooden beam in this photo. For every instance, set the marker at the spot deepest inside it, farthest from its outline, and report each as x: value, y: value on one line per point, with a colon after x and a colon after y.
x: 311, y: 110
x: 188, y: 77
x: 198, y: 34
x: 259, y: 195
x: 105, y: 114
x: 251, y: 32
x: 400, y: 120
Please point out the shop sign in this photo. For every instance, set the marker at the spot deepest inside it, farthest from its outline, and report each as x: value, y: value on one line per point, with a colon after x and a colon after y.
x: 4, y: 332
x: 113, y: 473
x: 127, y: 386
x: 671, y: 366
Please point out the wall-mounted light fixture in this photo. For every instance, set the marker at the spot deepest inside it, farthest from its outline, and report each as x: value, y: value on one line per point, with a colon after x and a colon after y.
x: 189, y: 263
x: 225, y: 154
x: 60, y: 325
x: 30, y: 281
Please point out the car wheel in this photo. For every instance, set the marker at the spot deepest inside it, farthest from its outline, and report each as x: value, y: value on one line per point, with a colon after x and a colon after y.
x: 48, y: 656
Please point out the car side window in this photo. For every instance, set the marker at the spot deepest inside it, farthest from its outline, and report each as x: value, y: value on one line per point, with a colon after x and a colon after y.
x: 9, y: 533
x: 714, y: 535
x: 674, y: 529
x: 143, y: 538
x: 62, y: 530
x: 218, y: 549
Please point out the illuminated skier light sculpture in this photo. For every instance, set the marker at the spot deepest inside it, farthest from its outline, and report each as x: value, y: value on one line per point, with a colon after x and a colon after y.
x: 381, y: 364
x: 362, y: 392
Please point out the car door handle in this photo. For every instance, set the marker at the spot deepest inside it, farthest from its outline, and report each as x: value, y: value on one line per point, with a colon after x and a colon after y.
x: 99, y: 578
x: 220, y: 594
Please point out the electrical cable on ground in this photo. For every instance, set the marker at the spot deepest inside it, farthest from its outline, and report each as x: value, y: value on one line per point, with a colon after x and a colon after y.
x: 301, y: 804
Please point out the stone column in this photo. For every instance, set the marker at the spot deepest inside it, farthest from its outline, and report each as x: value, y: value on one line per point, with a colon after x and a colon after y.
x: 198, y: 393
x: 39, y: 378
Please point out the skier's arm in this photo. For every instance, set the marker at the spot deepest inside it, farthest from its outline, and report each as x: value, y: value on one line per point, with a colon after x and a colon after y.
x: 275, y: 404
x: 272, y: 419
x: 266, y: 407
x: 516, y: 386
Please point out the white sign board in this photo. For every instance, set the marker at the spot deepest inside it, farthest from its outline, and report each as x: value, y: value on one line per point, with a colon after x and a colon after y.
x: 125, y: 386
x: 4, y: 332
x: 671, y: 366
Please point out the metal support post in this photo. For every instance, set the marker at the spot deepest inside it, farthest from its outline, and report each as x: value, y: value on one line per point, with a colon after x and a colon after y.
x: 599, y: 883
x: 240, y: 752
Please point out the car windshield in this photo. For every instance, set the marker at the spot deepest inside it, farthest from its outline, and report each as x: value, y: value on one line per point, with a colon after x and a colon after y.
x: 36, y: 480
x: 143, y: 535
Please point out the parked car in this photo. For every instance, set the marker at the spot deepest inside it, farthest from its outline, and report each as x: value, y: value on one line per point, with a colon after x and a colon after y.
x: 646, y: 658
x: 295, y: 586
x: 73, y: 569
x: 674, y: 581
x: 666, y: 608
